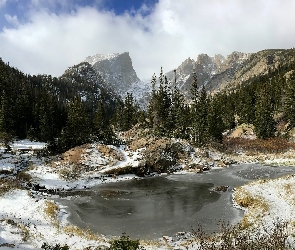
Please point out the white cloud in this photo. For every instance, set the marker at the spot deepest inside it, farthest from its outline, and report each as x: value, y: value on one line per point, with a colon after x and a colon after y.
x: 173, y: 31
x: 12, y: 19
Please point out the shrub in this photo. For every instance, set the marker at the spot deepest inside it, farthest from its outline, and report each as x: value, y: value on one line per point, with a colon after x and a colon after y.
x: 23, y: 176
x: 233, y: 237
x: 83, y: 233
x: 6, y: 172
x: 56, y: 247
x: 125, y: 243
x: 51, y: 210
x: 7, y: 185
x: 272, y: 145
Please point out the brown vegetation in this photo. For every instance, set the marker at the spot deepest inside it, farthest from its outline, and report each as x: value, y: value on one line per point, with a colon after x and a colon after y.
x: 83, y: 233
x: 246, y: 200
x: 272, y: 145
x: 7, y: 185
x: 234, y: 237
x: 110, y: 152
x: 73, y: 156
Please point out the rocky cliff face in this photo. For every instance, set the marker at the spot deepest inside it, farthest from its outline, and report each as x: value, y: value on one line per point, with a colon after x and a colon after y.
x: 211, y: 71
x: 116, y: 73
x: 119, y: 75
x: 219, y: 72
x: 116, y: 69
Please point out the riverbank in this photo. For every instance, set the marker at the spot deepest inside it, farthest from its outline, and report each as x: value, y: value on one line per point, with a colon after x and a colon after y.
x: 30, y: 218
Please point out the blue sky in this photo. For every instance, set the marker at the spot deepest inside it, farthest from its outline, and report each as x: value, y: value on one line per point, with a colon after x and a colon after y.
x: 47, y: 36
x: 21, y: 8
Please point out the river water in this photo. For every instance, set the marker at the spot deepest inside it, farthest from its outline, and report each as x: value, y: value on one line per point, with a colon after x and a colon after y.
x: 152, y: 207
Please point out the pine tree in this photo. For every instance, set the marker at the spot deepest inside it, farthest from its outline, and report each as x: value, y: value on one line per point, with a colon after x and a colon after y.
x: 102, y: 130
x: 77, y: 129
x: 5, y: 133
x: 215, y: 123
x: 201, y: 125
x: 129, y: 118
x: 194, y: 108
x: 152, y: 103
x: 199, y: 113
x: 289, y: 101
x: 180, y: 115
x: 160, y: 108
x: 264, y: 122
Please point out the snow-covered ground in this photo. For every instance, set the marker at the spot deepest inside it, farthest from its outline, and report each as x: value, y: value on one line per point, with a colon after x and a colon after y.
x: 267, y: 202
x: 28, y: 219
x: 25, y: 222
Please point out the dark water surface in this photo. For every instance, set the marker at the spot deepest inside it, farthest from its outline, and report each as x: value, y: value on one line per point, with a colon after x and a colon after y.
x: 157, y: 206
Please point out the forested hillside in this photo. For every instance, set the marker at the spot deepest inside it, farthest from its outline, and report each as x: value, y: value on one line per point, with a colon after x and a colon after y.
x: 79, y: 107
x: 60, y: 111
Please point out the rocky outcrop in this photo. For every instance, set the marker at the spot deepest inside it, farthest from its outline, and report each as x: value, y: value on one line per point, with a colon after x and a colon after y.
x: 218, y: 72
x: 211, y: 72
x: 163, y: 154
x: 117, y: 71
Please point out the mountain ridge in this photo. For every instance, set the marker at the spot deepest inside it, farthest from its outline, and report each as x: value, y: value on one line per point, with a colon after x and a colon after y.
x: 216, y: 72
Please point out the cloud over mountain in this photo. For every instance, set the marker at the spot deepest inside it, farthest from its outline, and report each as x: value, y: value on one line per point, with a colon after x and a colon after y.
x: 48, y: 38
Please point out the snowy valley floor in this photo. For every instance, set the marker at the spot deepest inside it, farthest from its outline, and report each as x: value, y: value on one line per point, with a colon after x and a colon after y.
x: 30, y: 218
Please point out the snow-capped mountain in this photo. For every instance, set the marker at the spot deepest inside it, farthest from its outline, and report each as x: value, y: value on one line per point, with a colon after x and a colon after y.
x: 119, y: 75
x: 116, y: 74
x: 210, y: 71
x: 116, y: 69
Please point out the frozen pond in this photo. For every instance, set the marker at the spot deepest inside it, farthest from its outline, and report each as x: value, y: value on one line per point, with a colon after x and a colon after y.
x: 157, y: 206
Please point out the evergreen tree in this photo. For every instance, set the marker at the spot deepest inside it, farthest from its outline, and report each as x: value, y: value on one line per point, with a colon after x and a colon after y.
x: 102, y: 130
x: 199, y: 113
x: 5, y: 133
x: 201, y: 125
x: 77, y: 129
x: 180, y: 115
x: 153, y: 102
x: 160, y: 108
x: 129, y: 118
x: 289, y: 100
x: 194, y: 107
x: 215, y: 123
x: 264, y: 122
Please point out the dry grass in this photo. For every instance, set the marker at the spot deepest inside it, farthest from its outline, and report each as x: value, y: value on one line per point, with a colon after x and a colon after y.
x: 74, y: 155
x: 7, y: 185
x: 122, y: 170
x: 83, y: 233
x: 110, y: 153
x: 245, y: 223
x: 243, y: 131
x: 24, y: 176
x: 246, y: 200
x: 25, y: 232
x: 234, y: 237
x: 51, y: 210
x: 71, y: 172
x: 253, y: 147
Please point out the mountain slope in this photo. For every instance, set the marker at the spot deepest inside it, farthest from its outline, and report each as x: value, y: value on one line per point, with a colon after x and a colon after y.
x: 218, y: 72
x: 116, y: 70
x: 211, y: 72
x: 116, y: 74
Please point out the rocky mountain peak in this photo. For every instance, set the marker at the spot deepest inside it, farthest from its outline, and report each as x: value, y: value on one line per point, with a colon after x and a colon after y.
x: 186, y: 67
x: 100, y: 57
x: 116, y: 69
x: 204, y: 59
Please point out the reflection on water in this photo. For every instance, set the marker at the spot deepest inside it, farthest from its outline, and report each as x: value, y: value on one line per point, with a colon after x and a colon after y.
x: 152, y: 207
